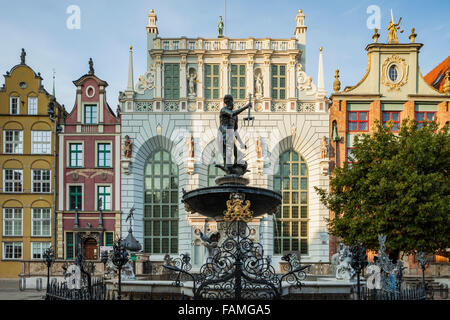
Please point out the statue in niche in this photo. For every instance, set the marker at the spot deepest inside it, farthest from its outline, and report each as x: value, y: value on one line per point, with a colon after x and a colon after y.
x: 259, y: 85
x: 228, y: 133
x: 323, y: 148
x: 258, y: 148
x: 127, y: 147
x: 191, y: 146
x: 192, y: 78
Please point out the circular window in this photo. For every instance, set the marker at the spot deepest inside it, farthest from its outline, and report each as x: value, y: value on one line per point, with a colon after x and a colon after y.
x: 23, y: 85
x: 393, y: 73
x: 90, y: 91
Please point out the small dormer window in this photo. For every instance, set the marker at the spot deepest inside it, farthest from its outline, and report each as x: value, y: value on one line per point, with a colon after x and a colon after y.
x: 393, y: 73
x: 90, y: 114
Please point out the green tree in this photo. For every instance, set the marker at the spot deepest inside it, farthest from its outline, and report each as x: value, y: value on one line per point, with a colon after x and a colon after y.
x: 398, y: 186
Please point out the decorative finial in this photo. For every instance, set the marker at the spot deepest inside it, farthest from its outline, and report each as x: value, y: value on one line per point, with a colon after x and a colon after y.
x: 131, y: 48
x: 413, y: 36
x: 152, y: 11
x: 91, y: 66
x: 300, y: 11
x: 22, y: 56
x: 376, y: 35
x: 321, y: 48
x: 446, y: 87
x: 336, y: 83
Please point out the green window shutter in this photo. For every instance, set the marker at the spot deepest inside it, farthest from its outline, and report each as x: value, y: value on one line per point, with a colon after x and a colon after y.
x: 75, y: 198
x: 212, y: 83
x: 171, y: 81
x: 69, y: 246
x: 238, y: 81
x: 109, y: 239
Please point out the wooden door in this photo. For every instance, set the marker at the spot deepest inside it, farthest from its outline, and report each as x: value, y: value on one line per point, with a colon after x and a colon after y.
x: 90, y: 249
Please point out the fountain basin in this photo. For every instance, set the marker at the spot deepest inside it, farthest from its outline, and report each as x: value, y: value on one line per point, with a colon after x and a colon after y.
x: 211, y: 201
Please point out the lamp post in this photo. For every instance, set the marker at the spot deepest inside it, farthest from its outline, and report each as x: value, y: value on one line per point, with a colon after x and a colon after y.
x: 358, y: 263
x: 49, y: 257
x: 119, y: 259
x: 53, y: 117
x: 423, y: 262
x: 104, y: 260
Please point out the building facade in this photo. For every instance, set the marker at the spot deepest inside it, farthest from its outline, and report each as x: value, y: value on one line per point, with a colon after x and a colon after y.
x: 89, y: 179
x: 27, y: 158
x: 171, y: 117
x: 392, y: 88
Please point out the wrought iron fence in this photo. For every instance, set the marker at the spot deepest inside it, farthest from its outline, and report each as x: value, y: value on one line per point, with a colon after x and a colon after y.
x: 413, y: 293
x: 60, y: 291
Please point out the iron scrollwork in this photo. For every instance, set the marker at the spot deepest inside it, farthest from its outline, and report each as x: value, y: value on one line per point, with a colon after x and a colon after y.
x: 239, y: 270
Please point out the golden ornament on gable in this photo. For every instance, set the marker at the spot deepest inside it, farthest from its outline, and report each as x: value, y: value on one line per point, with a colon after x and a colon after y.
x: 399, y: 70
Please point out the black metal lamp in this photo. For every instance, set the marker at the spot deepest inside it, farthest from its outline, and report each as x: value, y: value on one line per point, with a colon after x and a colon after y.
x: 119, y: 259
x: 49, y: 257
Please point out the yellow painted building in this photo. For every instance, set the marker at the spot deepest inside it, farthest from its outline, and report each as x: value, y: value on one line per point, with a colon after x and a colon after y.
x: 27, y: 169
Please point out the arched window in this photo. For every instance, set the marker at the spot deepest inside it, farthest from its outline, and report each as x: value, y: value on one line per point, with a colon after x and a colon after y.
x: 291, y: 220
x: 161, y: 204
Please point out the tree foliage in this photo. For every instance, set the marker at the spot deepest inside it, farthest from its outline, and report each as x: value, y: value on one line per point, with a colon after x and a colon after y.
x: 398, y: 186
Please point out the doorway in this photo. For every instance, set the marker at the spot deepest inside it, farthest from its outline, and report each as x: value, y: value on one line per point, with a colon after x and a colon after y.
x: 90, y: 249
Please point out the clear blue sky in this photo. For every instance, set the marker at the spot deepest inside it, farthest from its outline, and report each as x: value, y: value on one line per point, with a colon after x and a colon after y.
x: 108, y: 28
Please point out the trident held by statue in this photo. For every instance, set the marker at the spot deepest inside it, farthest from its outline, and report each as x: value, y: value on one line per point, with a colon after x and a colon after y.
x: 249, y: 118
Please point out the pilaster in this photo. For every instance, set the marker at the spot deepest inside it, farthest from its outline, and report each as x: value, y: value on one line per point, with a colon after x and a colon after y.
x: 250, y: 74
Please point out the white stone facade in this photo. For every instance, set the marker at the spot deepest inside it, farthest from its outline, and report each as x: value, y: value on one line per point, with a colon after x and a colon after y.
x: 299, y: 121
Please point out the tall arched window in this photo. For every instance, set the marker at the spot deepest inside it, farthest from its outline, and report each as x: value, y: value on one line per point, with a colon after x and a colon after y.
x: 161, y: 204
x: 291, y: 220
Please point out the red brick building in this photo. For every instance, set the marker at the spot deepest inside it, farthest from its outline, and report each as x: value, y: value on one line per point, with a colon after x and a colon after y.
x: 89, y: 173
x: 391, y: 89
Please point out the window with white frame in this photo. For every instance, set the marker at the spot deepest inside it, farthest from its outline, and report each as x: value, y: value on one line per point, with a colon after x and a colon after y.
x: 12, y: 180
x: 14, y: 105
x: 104, y: 194
x: 12, y: 222
x: 90, y: 114
x: 104, y: 155
x: 13, y: 141
x: 41, y: 181
x: 38, y: 248
x: 40, y: 222
x: 75, y: 155
x: 32, y: 105
x: 41, y: 142
x: 12, y: 250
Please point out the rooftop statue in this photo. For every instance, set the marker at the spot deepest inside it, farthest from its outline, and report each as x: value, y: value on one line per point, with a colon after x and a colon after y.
x: 220, y: 28
x: 228, y: 132
x: 392, y: 28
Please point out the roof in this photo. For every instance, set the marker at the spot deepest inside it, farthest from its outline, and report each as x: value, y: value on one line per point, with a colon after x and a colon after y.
x: 435, y: 77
